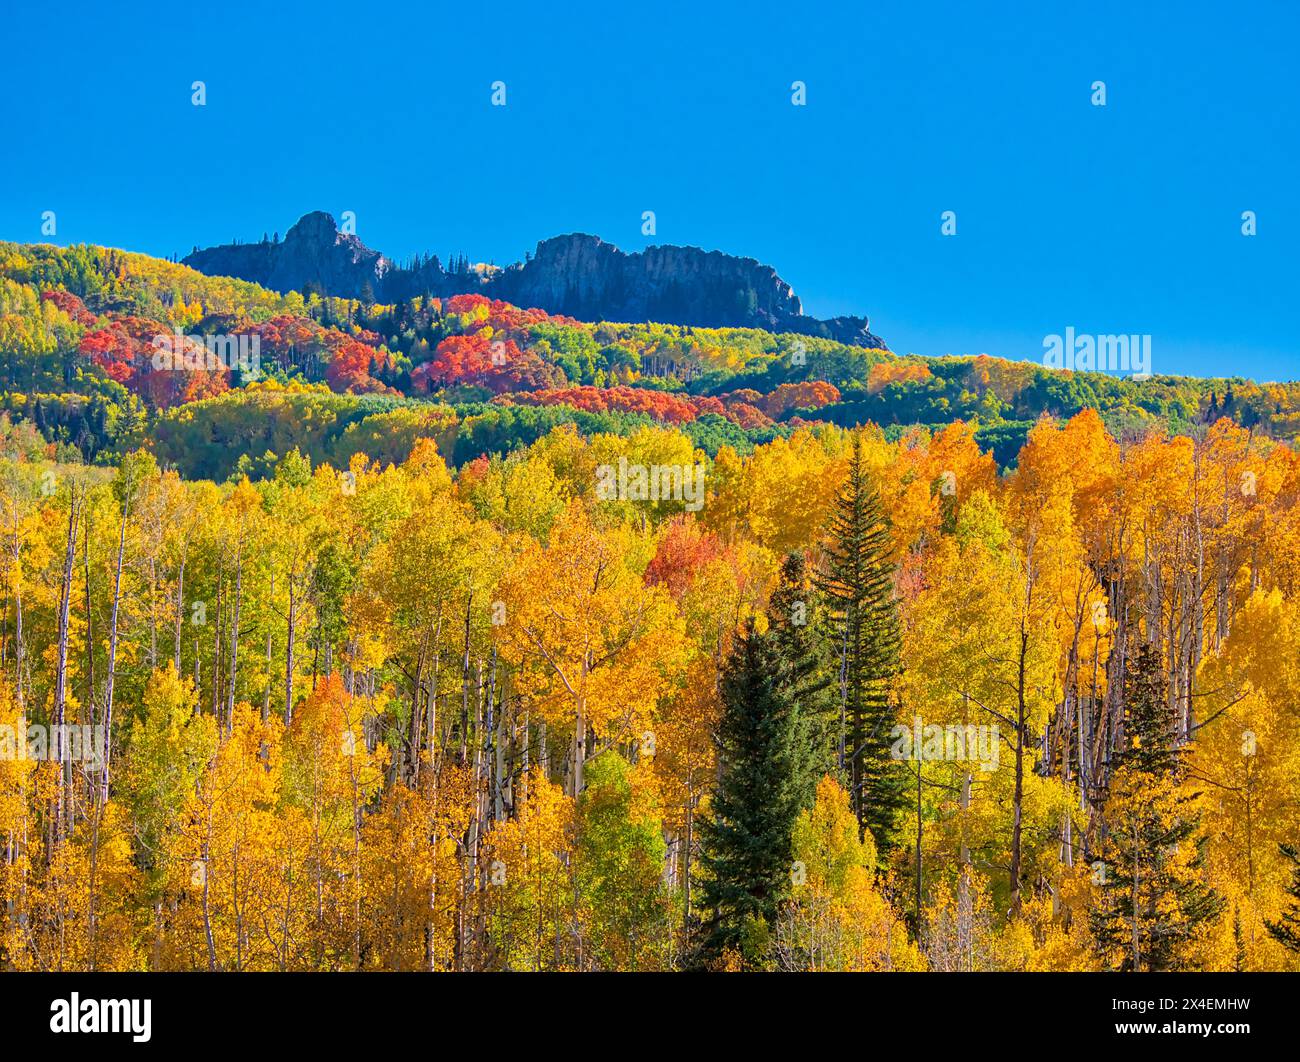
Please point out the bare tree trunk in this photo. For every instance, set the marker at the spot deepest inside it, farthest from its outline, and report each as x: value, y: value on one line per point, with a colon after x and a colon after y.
x: 266, y: 693
x: 57, y: 750
x: 112, y: 653
x: 1018, y: 799
x: 90, y: 624
x: 234, y: 629
x: 216, y: 641
x: 288, y: 655
x: 180, y: 610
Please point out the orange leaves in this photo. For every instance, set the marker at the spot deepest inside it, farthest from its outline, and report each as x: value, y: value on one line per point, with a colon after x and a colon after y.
x: 479, y: 359
x: 352, y: 368
x: 327, y: 743
x: 809, y: 394
x: 71, y: 305
x: 659, y: 405
x: 895, y: 370
x: 683, y: 552
x: 930, y: 477
x: 120, y: 348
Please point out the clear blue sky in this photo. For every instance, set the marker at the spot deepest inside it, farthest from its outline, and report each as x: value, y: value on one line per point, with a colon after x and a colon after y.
x: 1121, y: 219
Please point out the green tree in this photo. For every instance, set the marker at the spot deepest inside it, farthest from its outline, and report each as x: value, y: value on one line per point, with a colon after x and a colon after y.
x: 797, y: 619
x: 619, y: 869
x: 746, y: 844
x: 1286, y: 930
x: 169, y: 745
x: 857, y: 577
x: 1152, y: 899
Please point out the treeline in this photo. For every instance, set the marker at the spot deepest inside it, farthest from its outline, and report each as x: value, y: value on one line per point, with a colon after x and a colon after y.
x: 78, y: 328
x: 869, y: 705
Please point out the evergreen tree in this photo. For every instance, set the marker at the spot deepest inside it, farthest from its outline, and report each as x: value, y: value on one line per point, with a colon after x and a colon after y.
x: 858, y: 579
x: 797, y: 619
x: 1287, y: 929
x: 775, y: 743
x: 1152, y: 900
x: 746, y: 844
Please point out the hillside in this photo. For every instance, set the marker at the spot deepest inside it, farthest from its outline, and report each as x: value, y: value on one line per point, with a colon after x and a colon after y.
x: 79, y: 329
x: 427, y: 635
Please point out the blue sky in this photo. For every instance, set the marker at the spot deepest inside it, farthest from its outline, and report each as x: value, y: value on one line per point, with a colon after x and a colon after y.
x: 1117, y: 219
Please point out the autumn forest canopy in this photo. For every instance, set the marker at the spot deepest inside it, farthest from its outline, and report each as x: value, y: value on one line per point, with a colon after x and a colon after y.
x: 454, y: 635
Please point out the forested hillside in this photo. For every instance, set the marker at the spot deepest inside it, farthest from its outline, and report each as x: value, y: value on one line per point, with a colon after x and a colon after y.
x: 458, y: 636
x: 78, y: 328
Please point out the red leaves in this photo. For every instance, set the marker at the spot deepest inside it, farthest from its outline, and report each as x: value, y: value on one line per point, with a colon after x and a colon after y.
x: 284, y: 336
x: 476, y: 360
x: 113, y: 350
x: 683, y: 553
x: 659, y: 405
x: 352, y: 367
x: 72, y: 306
x: 665, y: 407
x: 124, y: 348
x: 500, y: 316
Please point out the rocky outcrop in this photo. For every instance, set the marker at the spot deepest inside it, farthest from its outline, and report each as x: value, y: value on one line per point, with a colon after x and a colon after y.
x: 578, y: 275
x: 314, y: 255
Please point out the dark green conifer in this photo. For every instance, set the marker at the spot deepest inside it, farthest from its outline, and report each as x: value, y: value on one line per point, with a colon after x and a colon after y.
x: 857, y: 578
x: 1152, y: 900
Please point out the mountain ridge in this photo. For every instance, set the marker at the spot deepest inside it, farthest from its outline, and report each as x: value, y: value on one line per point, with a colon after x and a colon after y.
x: 576, y: 274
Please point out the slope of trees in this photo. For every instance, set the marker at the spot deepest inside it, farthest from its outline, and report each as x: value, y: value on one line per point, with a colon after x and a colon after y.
x: 403, y: 715
x: 81, y: 325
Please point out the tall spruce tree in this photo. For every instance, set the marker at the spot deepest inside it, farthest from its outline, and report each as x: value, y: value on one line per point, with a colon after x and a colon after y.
x: 857, y: 577
x: 1286, y: 930
x: 1152, y: 899
x: 746, y: 843
x: 774, y: 745
x: 798, y: 622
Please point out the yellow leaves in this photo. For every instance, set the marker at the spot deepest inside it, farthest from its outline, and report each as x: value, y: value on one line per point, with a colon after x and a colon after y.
x: 925, y: 475
x: 837, y: 919
x: 826, y: 839
x: 332, y: 770
x: 308, y: 848
x: 1080, y: 455
x: 520, y: 494
x: 592, y: 642
x: 1247, y: 764
x: 80, y: 908
x: 426, y: 463
x: 780, y: 495
x: 1260, y: 649
x: 682, y: 742
x: 1051, y: 935
x: 529, y: 891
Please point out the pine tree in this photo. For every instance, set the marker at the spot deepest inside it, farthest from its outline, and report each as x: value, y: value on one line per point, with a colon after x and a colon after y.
x: 858, y: 579
x: 797, y: 618
x: 1152, y: 900
x: 1286, y: 930
x: 746, y: 844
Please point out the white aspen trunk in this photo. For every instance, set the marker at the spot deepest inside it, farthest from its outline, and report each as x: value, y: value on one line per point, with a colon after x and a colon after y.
x: 112, y: 654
